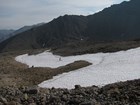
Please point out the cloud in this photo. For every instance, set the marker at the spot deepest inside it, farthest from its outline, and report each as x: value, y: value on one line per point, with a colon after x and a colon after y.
x: 17, y: 13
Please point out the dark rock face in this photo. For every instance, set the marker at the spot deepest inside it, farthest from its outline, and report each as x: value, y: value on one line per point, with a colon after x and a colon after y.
x: 123, y: 93
x: 116, y: 23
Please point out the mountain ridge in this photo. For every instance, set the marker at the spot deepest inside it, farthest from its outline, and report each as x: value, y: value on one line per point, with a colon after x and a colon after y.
x: 4, y: 34
x: 117, y: 23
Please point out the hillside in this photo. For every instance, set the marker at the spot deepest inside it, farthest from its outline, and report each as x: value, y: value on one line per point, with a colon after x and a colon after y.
x: 26, y: 28
x: 117, y: 23
x: 4, y: 34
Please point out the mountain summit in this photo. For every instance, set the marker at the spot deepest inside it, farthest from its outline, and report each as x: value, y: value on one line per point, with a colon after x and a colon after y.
x: 116, y: 23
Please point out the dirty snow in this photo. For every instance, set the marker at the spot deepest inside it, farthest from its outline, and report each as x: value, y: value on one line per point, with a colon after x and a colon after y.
x: 106, y: 68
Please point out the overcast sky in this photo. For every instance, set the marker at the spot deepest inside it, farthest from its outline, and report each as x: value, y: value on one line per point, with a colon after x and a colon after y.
x: 17, y: 13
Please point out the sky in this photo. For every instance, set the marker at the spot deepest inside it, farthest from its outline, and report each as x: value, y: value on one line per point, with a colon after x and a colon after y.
x: 15, y: 14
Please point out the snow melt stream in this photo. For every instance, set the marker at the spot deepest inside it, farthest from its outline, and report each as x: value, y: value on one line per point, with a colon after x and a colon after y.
x: 106, y: 68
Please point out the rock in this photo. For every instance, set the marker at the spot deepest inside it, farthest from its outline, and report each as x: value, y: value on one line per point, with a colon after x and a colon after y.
x: 55, y: 98
x: 13, y: 103
x: 1, y: 103
x: 91, y: 102
x: 30, y: 100
x: 17, y: 99
x: 115, y: 90
x: 32, y: 104
x: 53, y: 88
x: 77, y: 86
x: 64, y: 98
x: 32, y: 90
x: 23, y: 89
x: 66, y: 91
x: 26, y: 96
x: 86, y: 103
x: 44, y: 91
x: 74, y: 102
x: 43, y: 99
x: 3, y: 100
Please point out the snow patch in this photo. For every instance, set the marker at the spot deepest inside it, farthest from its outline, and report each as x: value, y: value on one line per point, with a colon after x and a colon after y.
x: 47, y: 59
x: 106, y: 68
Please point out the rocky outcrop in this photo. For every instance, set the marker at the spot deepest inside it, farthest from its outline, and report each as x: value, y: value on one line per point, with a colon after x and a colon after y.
x: 123, y: 93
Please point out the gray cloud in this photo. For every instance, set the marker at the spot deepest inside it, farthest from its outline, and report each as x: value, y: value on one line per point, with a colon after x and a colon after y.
x: 17, y: 13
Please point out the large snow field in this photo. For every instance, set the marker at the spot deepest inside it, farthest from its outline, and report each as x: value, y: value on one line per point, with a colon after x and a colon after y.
x: 106, y: 68
x: 47, y: 59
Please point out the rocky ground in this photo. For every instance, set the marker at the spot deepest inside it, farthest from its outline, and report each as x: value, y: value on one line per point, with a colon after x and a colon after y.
x: 122, y: 93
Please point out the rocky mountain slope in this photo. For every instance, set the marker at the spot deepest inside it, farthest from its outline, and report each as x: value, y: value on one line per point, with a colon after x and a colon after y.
x: 114, y: 94
x: 117, y: 23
